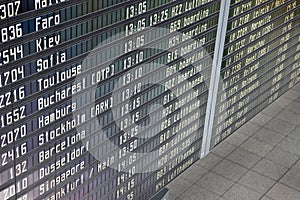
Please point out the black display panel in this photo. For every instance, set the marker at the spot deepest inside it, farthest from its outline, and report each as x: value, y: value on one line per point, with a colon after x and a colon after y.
x: 95, y: 104
x: 260, y: 61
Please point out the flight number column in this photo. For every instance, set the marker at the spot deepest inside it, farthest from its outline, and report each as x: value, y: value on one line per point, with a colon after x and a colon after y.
x: 10, y: 184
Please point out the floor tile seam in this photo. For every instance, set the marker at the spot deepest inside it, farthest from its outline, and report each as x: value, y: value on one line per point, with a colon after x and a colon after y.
x: 239, y: 146
x: 214, y: 165
x: 251, y: 188
x: 284, y: 106
x: 273, y: 146
x: 286, y: 150
x: 268, y: 176
x: 277, y: 132
x: 243, y: 165
x: 237, y: 183
x: 286, y: 109
x: 260, y: 127
x: 235, y: 148
x: 296, y: 86
x: 238, y: 164
x: 248, y: 170
x: 208, y: 189
x: 261, y: 140
x: 210, y: 170
x: 235, y: 144
x: 290, y: 107
x: 278, y: 181
x: 292, y: 100
x: 276, y: 117
x: 286, y: 96
x: 193, y: 183
x: 200, y: 187
x: 298, y: 140
x: 273, y: 116
x: 288, y: 121
x: 183, y: 191
x: 293, y: 131
x: 252, y: 137
x: 265, y: 196
x: 292, y: 188
x: 248, y: 137
x: 277, y: 146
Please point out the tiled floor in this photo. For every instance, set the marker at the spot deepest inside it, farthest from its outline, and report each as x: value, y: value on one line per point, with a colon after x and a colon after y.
x: 261, y: 161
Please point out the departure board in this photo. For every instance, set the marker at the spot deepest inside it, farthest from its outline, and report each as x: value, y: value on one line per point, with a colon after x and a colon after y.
x: 102, y: 99
x: 113, y: 99
x: 260, y: 61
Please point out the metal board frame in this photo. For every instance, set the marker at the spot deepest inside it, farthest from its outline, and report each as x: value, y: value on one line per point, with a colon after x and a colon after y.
x: 215, y: 77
